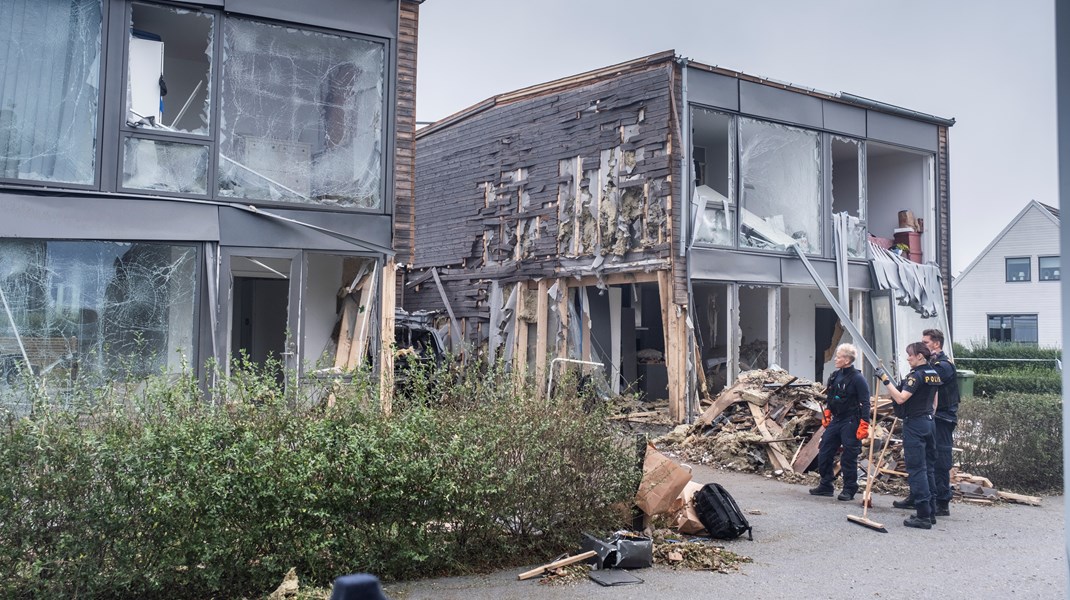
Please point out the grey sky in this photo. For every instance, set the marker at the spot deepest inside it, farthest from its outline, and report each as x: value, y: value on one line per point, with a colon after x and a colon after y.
x: 988, y: 64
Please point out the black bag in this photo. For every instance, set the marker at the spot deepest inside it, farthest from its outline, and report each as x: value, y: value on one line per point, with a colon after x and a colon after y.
x: 720, y: 514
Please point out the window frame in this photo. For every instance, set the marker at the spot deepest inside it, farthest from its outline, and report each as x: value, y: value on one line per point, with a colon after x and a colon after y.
x: 1011, y: 318
x: 101, y: 116
x: 1007, y: 269
x: 1040, y: 269
x: 111, y: 129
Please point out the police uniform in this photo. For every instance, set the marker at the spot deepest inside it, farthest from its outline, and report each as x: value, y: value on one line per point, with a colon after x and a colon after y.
x: 944, y: 421
x: 848, y: 401
x: 919, y: 445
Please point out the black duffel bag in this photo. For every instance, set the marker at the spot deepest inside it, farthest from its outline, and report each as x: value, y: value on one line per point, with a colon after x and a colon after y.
x: 720, y: 514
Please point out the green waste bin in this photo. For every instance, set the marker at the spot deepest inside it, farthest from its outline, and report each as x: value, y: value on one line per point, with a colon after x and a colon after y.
x: 965, y: 378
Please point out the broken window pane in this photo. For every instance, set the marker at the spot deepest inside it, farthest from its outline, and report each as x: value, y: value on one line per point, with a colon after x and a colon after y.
x: 49, y: 89
x: 169, y: 68
x: 170, y: 166
x: 781, y: 171
x: 95, y: 312
x: 301, y: 116
x: 713, y: 160
x: 849, y: 191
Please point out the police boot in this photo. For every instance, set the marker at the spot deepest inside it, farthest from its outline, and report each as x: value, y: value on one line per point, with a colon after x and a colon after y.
x: 846, y: 496
x: 821, y: 491
x: 907, y: 502
x: 942, y: 508
x: 918, y: 522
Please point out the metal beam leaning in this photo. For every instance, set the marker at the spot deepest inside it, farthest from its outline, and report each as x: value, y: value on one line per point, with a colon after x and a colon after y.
x: 455, y: 334
x: 841, y: 312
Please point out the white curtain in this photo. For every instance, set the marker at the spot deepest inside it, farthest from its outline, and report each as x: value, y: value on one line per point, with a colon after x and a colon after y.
x: 49, y: 89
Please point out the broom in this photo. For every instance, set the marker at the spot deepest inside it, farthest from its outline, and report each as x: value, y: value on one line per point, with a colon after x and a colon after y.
x: 863, y: 521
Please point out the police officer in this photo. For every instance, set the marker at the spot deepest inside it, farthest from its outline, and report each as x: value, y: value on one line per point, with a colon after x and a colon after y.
x: 914, y: 405
x: 945, y: 418
x: 846, y: 422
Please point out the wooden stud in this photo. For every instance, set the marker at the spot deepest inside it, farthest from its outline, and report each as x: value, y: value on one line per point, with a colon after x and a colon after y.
x: 563, y: 315
x: 386, y: 341
x: 775, y: 449
x: 541, y: 332
x: 520, y: 354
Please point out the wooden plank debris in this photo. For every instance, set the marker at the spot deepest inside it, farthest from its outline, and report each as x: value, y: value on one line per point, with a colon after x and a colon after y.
x: 564, y: 562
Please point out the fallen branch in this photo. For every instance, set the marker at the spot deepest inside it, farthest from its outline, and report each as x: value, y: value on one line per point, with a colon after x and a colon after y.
x: 557, y: 563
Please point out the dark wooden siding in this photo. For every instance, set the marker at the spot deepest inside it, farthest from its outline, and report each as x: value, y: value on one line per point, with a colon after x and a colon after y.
x: 405, y: 142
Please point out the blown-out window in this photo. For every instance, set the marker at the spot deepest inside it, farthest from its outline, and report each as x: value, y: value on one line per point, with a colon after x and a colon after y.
x: 102, y: 311
x: 780, y: 169
x: 301, y: 116
x: 49, y: 90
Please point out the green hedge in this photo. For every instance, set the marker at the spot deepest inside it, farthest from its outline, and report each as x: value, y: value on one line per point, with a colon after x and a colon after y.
x: 165, y: 494
x: 1030, y: 383
x: 1015, y: 440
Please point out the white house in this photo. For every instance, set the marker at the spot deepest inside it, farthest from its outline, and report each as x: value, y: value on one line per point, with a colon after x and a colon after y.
x: 1010, y: 292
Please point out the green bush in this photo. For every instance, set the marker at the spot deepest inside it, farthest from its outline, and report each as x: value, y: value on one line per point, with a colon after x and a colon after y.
x: 1015, y: 440
x: 1013, y: 358
x: 160, y: 492
x: 1017, y: 383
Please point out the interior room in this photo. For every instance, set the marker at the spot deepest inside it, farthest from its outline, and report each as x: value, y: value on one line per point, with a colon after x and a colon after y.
x: 897, y: 180
x: 712, y: 152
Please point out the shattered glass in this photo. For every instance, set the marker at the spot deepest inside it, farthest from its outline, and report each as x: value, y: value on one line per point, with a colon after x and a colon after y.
x: 781, y: 193
x: 95, y: 311
x: 49, y: 89
x: 713, y: 163
x: 302, y: 116
x: 169, y: 69
x: 169, y: 166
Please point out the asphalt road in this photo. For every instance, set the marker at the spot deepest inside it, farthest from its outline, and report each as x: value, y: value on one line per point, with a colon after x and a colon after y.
x: 804, y: 547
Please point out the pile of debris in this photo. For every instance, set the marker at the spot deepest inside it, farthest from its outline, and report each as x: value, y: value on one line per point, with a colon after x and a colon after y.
x: 770, y: 420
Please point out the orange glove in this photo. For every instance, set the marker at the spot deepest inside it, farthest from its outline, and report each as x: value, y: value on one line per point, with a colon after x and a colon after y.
x: 863, y: 430
x: 827, y: 418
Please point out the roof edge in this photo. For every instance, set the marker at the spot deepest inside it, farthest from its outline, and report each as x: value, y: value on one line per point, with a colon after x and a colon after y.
x: 548, y: 87
x: 1001, y: 235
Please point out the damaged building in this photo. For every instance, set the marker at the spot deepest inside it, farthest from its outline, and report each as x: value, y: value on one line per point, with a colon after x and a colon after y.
x: 185, y: 181
x: 651, y: 217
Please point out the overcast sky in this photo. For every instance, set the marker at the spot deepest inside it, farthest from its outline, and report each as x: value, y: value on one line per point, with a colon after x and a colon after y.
x: 990, y: 65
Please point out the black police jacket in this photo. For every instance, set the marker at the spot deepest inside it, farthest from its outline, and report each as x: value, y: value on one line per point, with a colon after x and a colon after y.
x: 922, y: 383
x: 947, y: 398
x: 848, y: 394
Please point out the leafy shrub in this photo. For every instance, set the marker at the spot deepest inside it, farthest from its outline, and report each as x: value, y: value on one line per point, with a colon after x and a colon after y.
x: 1013, y: 357
x: 1013, y: 439
x: 157, y: 491
x: 1009, y: 382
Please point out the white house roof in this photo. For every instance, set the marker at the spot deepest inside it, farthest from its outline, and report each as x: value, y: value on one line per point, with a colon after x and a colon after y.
x: 1050, y: 212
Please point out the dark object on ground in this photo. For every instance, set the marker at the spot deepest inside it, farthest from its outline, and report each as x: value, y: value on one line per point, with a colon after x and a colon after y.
x: 906, y: 503
x: 360, y: 586
x: 621, y: 551
x: 611, y: 577
x: 820, y: 491
x: 846, y: 496
x: 720, y: 514
x: 918, y: 523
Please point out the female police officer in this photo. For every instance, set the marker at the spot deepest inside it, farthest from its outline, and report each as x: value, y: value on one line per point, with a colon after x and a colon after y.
x: 914, y: 405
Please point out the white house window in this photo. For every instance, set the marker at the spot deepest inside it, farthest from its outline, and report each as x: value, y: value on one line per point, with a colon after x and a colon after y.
x: 1049, y: 268
x: 1019, y: 269
x: 49, y: 90
x: 1020, y: 329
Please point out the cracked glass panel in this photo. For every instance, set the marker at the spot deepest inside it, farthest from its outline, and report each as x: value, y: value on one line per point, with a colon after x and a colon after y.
x: 95, y: 312
x: 49, y: 89
x: 301, y: 116
x: 849, y: 191
x: 167, y: 166
x: 714, y: 164
x: 169, y: 69
x: 781, y: 171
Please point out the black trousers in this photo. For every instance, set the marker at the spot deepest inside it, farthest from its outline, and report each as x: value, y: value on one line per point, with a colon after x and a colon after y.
x: 943, y: 431
x: 840, y: 433
x: 919, y: 452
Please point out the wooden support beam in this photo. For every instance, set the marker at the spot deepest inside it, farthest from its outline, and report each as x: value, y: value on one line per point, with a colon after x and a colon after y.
x: 675, y: 349
x: 358, y: 349
x: 520, y: 353
x: 455, y: 335
x: 386, y: 341
x: 563, y: 316
x: 564, y: 562
x: 542, y: 305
